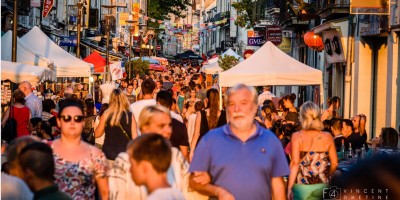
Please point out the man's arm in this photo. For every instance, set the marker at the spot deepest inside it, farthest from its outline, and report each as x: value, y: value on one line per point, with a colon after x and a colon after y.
x: 278, y: 188
x: 185, y: 151
x: 209, y: 189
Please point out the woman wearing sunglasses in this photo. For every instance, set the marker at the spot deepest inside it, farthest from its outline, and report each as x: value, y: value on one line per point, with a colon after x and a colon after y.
x: 79, y: 165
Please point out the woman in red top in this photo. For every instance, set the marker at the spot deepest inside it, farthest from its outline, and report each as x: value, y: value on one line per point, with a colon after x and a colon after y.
x: 20, y: 113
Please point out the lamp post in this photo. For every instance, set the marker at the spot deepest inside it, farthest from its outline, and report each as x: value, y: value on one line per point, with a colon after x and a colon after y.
x: 78, y: 29
x: 107, y: 27
x: 131, y: 29
x: 14, y: 36
x: 150, y: 35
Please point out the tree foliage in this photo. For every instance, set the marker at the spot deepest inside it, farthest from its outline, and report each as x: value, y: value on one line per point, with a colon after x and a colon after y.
x: 249, y: 12
x: 137, y: 66
x: 159, y: 9
x: 226, y: 62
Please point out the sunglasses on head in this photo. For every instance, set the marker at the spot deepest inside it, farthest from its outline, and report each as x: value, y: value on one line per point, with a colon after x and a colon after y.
x: 67, y: 118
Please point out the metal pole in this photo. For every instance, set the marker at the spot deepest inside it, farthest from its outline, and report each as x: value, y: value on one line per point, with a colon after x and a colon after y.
x: 130, y: 52
x: 78, y: 29
x: 14, y: 36
x: 107, y: 48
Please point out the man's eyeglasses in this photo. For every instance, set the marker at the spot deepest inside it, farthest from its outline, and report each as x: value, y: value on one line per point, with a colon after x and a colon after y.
x: 67, y: 118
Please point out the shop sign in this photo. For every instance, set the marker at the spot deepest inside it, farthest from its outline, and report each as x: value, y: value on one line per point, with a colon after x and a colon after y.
x: 47, y: 5
x: 123, y: 16
x: 274, y: 34
x: 158, y: 48
x: 333, y: 47
x: 69, y: 41
x: 255, y: 41
x: 228, y: 43
x: 285, y: 46
x: 371, y: 7
x: 35, y: 3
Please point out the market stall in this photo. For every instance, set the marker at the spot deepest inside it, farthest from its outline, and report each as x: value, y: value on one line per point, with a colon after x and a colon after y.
x: 18, y: 72
x: 270, y: 66
x: 24, y: 53
x: 70, y: 70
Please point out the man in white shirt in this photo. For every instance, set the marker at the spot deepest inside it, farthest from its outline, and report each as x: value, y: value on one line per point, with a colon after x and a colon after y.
x: 148, y: 87
x: 266, y: 95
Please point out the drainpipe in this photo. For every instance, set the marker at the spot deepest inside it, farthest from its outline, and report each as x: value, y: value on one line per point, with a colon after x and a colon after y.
x: 349, y: 63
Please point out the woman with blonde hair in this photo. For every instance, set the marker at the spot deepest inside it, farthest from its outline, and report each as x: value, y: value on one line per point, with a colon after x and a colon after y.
x: 207, y: 119
x: 119, y: 125
x: 314, y: 157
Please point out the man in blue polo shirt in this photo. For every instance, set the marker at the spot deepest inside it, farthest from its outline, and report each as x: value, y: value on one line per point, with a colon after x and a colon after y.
x: 244, y: 160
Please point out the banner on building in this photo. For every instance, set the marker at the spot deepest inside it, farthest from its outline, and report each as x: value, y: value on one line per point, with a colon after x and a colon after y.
x: 286, y: 45
x: 255, y: 41
x: 35, y: 3
x: 274, y: 34
x: 69, y: 41
x: 47, y: 5
x: 333, y: 46
x: 123, y: 16
x: 371, y: 7
x: 116, y: 71
x: 136, y: 10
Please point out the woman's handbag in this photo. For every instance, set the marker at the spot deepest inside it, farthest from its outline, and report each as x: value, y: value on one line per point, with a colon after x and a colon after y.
x: 89, y: 137
x: 9, y: 130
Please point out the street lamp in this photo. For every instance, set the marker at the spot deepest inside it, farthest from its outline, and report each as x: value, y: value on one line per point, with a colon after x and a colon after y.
x: 78, y: 29
x: 107, y: 27
x: 14, y: 36
x: 131, y: 30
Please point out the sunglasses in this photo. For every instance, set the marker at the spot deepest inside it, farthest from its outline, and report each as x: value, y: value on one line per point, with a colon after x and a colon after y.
x: 67, y: 118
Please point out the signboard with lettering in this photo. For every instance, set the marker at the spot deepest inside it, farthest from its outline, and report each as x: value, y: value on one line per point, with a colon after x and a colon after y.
x: 47, y: 5
x: 255, y: 41
x: 123, y: 16
x: 69, y: 41
x: 285, y: 46
x: 228, y: 43
x: 333, y: 46
x: 374, y: 7
x: 274, y: 34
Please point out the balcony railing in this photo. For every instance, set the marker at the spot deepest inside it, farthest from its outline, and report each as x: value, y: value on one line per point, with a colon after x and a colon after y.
x: 326, y: 8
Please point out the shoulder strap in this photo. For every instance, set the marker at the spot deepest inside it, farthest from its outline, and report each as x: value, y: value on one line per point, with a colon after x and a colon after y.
x: 123, y: 131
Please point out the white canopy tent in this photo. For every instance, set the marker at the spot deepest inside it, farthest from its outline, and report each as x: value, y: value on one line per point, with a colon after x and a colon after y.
x: 212, y: 68
x: 24, y: 54
x: 228, y: 52
x: 18, y: 72
x: 67, y: 64
x: 270, y: 66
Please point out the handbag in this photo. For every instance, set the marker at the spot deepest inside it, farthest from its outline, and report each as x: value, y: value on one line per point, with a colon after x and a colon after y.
x: 89, y: 137
x: 9, y: 130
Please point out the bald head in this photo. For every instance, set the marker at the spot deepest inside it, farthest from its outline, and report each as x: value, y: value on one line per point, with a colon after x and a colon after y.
x: 25, y: 87
x: 68, y: 92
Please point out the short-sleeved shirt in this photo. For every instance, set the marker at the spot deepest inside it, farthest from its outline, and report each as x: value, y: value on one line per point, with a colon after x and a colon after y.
x: 34, y: 104
x: 179, y: 136
x: 245, y: 169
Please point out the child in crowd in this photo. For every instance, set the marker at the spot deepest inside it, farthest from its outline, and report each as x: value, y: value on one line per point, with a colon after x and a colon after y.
x: 150, y: 158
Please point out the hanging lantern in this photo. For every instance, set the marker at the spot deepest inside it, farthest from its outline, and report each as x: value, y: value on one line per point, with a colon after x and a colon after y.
x: 313, y: 41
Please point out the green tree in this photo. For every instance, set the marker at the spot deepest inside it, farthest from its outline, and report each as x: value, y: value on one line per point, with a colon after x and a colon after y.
x: 249, y: 12
x: 159, y: 9
x: 137, y: 66
x: 226, y: 62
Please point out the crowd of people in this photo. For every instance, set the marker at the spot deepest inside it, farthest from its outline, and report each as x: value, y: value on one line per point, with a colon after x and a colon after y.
x: 165, y: 136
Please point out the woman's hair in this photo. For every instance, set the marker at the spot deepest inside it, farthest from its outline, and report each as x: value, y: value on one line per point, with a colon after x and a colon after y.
x: 89, y: 107
x: 290, y: 97
x: 46, y: 128
x: 268, y: 112
x: 332, y: 100
x: 198, y: 106
x: 389, y: 137
x: 271, y: 104
x: 48, y: 104
x: 70, y: 102
x: 19, y: 96
x: 310, y: 117
x: 103, y: 108
x: 213, y: 105
x: 119, y: 105
x: 148, y: 112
